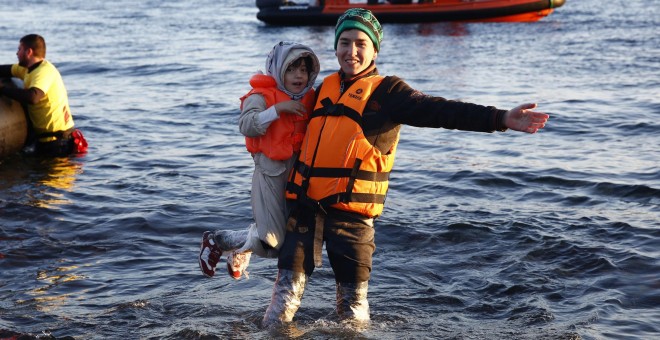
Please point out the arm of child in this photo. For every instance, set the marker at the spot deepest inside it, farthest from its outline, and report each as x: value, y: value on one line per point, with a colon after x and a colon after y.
x: 255, y: 117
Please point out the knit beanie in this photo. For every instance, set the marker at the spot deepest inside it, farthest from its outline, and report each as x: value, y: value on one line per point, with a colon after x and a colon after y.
x: 362, y: 19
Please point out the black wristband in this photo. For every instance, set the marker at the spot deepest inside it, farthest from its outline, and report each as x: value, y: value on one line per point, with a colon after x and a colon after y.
x: 499, y: 121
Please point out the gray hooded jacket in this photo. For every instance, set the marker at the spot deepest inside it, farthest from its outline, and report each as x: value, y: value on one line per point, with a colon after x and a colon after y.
x: 270, y: 176
x: 256, y: 117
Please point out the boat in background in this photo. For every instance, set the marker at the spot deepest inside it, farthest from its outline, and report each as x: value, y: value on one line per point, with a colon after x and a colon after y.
x: 302, y: 12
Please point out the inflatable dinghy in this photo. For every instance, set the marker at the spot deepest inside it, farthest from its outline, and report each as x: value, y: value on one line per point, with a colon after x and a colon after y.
x: 13, y: 125
x: 326, y: 12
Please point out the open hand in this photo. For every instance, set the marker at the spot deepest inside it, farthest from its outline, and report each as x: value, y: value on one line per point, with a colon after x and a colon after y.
x: 522, y: 118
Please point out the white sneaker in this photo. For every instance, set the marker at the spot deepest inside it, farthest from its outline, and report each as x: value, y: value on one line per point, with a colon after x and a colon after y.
x: 237, y: 264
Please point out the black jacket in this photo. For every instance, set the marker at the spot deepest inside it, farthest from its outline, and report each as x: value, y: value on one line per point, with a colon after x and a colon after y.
x: 395, y: 103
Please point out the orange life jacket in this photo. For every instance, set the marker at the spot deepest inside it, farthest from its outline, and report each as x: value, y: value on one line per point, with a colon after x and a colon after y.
x: 338, y: 167
x: 284, y: 135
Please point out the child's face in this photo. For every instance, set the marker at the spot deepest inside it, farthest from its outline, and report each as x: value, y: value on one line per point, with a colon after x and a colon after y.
x: 295, y: 78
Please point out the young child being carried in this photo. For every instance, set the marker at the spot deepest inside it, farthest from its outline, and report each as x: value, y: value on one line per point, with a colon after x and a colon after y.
x: 274, y: 117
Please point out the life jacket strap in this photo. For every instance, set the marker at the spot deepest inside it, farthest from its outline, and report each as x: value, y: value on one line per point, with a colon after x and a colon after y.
x: 331, y: 109
x: 342, y: 197
x: 365, y: 175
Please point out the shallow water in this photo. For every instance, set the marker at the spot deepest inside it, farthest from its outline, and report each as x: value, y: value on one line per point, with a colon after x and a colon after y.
x: 484, y: 236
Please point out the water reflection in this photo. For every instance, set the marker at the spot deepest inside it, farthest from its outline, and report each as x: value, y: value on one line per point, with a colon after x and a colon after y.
x: 440, y: 29
x: 38, y: 182
x: 49, y: 296
x: 451, y: 29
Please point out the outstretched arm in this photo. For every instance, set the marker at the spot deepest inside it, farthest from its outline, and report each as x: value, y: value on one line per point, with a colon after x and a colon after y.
x: 523, y: 118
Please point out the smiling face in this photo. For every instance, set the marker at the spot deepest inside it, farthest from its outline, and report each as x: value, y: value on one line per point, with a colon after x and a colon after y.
x: 355, y: 52
x: 296, y: 76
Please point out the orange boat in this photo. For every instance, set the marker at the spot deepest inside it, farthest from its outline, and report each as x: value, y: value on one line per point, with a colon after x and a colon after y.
x: 303, y: 12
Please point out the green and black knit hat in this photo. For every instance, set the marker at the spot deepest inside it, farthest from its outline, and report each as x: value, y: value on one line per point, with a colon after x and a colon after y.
x: 362, y: 19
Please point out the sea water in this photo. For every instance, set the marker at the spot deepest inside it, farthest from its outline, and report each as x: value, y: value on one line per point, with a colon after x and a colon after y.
x: 484, y: 236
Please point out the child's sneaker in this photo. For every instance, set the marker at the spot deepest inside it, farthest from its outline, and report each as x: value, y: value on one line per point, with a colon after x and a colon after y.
x: 209, y: 254
x: 237, y: 264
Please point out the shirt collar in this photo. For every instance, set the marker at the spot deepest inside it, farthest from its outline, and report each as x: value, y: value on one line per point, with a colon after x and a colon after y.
x: 34, y: 66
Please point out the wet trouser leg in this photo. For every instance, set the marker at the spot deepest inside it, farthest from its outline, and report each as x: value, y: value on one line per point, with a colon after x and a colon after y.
x: 269, y: 208
x: 287, y: 294
x: 230, y: 240
x: 350, y: 246
x: 352, y: 301
x: 244, y: 241
x: 254, y: 244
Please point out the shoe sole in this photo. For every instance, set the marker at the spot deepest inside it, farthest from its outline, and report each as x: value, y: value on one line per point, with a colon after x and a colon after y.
x: 199, y: 257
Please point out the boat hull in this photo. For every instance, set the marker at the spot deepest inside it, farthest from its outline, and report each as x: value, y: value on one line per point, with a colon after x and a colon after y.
x: 274, y: 13
x: 13, y: 126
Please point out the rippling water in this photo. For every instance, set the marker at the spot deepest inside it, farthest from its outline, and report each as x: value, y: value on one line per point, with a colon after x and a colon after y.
x: 485, y: 236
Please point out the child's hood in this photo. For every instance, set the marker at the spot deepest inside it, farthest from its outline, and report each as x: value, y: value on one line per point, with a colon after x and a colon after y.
x: 285, y: 53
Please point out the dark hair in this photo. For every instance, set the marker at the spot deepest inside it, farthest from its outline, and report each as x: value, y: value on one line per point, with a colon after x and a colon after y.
x: 308, y: 63
x: 36, y: 43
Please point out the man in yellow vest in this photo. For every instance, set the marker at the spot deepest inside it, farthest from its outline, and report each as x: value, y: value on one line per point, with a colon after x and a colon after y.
x: 52, y: 128
x: 339, y: 183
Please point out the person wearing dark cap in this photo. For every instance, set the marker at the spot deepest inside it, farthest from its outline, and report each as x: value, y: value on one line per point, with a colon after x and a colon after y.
x: 340, y: 180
